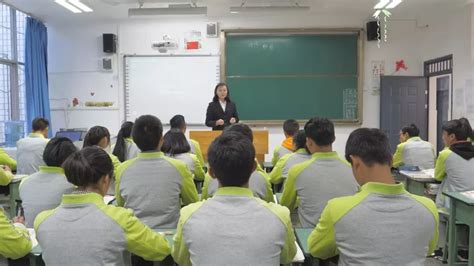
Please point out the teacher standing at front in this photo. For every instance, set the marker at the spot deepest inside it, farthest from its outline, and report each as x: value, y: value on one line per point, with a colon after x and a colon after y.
x: 221, y: 112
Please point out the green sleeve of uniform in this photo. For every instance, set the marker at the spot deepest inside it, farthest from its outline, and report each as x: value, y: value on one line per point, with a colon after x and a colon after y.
x: 205, y: 187
x: 14, y: 241
x: 322, y: 240
x: 115, y: 161
x: 5, y: 159
x: 141, y: 240
x: 269, y: 191
x: 440, y: 168
x: 276, y: 174
x: 197, y: 150
x: 398, y: 156
x: 289, y: 196
x: 275, y: 157
x: 180, y: 251
x: 188, y: 189
x: 118, y: 176
x: 198, y: 170
x: 5, y: 177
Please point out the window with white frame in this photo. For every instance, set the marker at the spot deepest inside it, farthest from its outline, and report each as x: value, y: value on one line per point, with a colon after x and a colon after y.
x: 12, y: 73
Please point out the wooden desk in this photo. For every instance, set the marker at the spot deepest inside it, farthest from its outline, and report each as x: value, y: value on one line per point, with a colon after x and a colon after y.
x: 416, y: 180
x: 205, y: 138
x: 461, y: 210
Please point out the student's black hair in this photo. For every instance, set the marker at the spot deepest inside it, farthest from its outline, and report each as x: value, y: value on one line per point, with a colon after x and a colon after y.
x: 242, y: 129
x: 147, y: 132
x: 231, y: 157
x: 369, y: 144
x: 175, y: 142
x: 95, y: 135
x: 320, y: 130
x: 57, y: 150
x: 120, y: 145
x: 299, y: 140
x: 39, y: 124
x: 412, y: 130
x: 178, y: 122
x: 466, y: 123
x: 291, y: 127
x: 456, y: 127
x: 216, y: 98
x: 85, y: 167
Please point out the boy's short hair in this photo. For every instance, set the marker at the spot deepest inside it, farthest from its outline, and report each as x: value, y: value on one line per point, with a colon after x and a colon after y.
x: 231, y: 158
x: 412, y: 130
x: 369, y: 144
x: 299, y: 140
x: 320, y: 130
x: 57, y: 151
x: 147, y: 132
x: 456, y: 127
x: 39, y: 124
x: 242, y: 129
x: 291, y: 127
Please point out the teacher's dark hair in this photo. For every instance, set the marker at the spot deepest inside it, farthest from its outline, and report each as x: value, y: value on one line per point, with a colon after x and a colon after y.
x: 216, y: 98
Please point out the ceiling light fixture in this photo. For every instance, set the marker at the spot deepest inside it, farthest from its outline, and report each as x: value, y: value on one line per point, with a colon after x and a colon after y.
x: 377, y: 13
x: 68, y: 6
x: 251, y: 9
x: 381, y: 4
x: 393, y: 4
x: 171, y: 10
x: 80, y: 5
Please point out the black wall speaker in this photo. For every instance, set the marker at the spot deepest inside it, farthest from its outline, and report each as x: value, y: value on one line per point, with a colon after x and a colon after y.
x: 109, y: 42
x: 373, y: 31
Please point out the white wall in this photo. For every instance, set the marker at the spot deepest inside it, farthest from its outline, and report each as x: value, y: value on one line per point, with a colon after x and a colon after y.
x: 74, y: 54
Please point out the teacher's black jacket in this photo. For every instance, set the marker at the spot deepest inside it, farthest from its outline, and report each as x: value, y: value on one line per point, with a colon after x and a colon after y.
x: 215, y: 112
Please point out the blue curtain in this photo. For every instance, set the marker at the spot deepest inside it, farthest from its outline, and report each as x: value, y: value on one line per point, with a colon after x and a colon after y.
x: 36, y: 71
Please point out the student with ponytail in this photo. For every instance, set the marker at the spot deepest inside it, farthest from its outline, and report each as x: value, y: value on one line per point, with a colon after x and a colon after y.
x: 125, y: 149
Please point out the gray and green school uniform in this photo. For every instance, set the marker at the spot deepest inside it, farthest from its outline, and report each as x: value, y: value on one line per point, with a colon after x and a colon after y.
x: 455, y: 168
x: 196, y: 149
x: 14, y: 238
x: 234, y: 228
x: 85, y: 231
x: 282, y: 167
x: 415, y: 152
x: 325, y: 176
x: 193, y: 164
x: 380, y: 225
x: 131, y: 149
x: 29, y: 153
x: 5, y: 159
x: 5, y: 177
x: 278, y: 153
x: 259, y: 183
x: 154, y: 187
x: 43, y: 191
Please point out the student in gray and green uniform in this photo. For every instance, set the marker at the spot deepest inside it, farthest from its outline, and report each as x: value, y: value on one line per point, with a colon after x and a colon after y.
x: 290, y: 128
x: 412, y: 150
x: 455, y: 165
x: 382, y: 224
x: 178, y: 122
x: 85, y: 231
x: 124, y: 148
x: 29, y: 150
x: 175, y: 145
x: 233, y: 227
x: 283, y: 166
x: 153, y: 185
x: 323, y: 177
x: 259, y: 181
x: 14, y: 238
x: 43, y: 190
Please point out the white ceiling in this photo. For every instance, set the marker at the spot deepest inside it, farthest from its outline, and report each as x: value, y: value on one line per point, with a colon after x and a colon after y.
x: 113, y: 10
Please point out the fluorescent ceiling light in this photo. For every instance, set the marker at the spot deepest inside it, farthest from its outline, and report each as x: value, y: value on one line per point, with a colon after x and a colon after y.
x: 376, y: 14
x: 250, y: 9
x: 381, y: 4
x: 393, y: 4
x: 68, y: 6
x: 132, y: 12
x: 81, y: 5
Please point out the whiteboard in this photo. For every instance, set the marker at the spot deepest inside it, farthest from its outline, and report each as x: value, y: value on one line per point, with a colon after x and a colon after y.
x: 170, y: 84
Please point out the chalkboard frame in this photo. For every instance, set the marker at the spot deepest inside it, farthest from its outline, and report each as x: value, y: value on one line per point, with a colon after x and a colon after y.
x: 302, y: 31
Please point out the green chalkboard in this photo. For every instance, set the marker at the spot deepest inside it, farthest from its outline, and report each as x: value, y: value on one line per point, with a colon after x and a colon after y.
x: 277, y: 77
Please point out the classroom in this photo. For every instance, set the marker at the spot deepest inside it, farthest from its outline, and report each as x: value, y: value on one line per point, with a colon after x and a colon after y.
x: 236, y: 132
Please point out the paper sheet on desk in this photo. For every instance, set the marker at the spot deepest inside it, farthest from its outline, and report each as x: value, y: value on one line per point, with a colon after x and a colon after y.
x: 17, y: 178
x: 430, y: 172
x: 32, y: 236
x: 469, y: 194
x: 418, y: 174
x: 299, y: 256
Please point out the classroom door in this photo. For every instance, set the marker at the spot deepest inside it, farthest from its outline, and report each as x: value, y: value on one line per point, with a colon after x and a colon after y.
x: 403, y: 100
